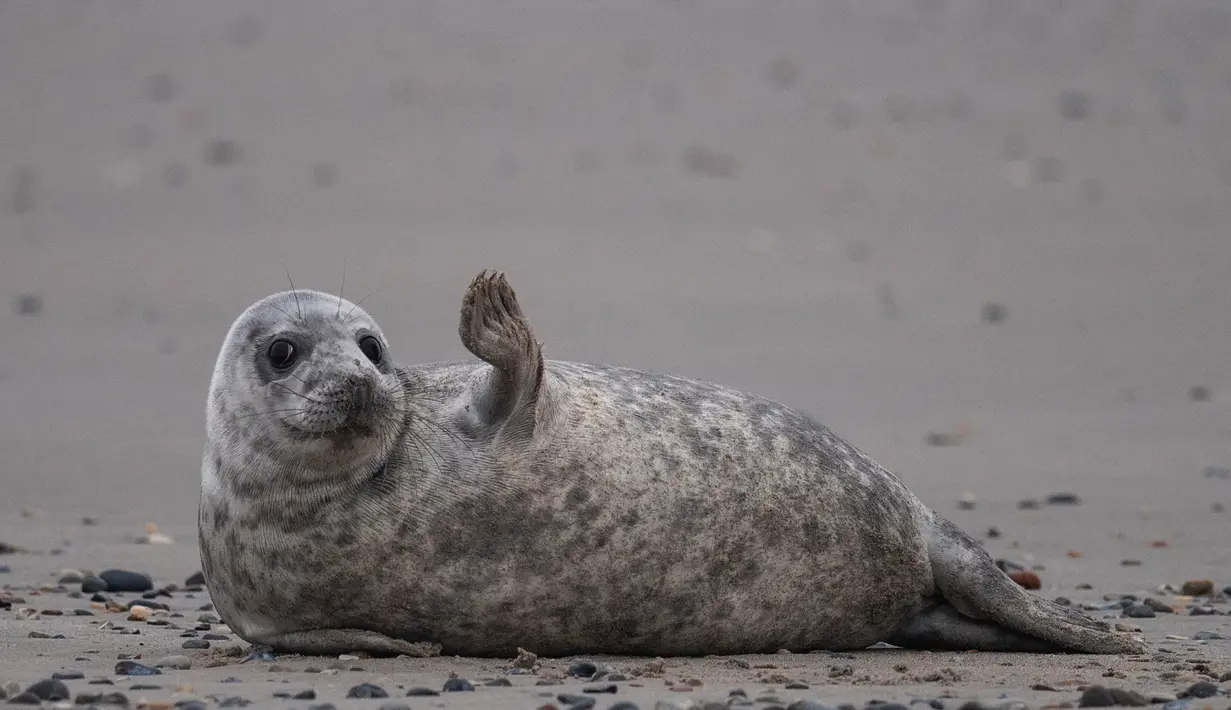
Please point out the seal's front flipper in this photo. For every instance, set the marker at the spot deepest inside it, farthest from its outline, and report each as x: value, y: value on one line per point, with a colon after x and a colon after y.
x: 943, y: 628
x: 495, y: 330
x: 976, y: 588
x: 332, y: 642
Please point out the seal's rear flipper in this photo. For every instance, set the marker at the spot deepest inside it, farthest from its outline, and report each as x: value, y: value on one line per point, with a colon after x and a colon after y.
x: 943, y: 628
x: 976, y: 588
x: 495, y: 330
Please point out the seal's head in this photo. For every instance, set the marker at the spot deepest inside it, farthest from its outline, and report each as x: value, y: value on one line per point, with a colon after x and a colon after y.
x: 304, y: 387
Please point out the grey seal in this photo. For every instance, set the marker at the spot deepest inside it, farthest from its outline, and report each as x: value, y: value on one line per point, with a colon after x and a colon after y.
x: 350, y: 503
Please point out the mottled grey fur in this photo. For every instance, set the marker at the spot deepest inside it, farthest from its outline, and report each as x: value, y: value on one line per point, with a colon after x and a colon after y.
x: 564, y: 508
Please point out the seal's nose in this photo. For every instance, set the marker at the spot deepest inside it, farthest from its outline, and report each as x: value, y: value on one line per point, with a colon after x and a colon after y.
x: 362, y: 394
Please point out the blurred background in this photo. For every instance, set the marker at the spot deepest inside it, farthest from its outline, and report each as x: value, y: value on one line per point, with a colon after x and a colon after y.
x: 986, y: 241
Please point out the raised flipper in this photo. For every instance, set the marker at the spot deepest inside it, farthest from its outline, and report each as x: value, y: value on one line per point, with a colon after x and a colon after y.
x: 980, y: 596
x: 495, y: 330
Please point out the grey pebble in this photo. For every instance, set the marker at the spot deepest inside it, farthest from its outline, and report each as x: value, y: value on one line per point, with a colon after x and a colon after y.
x: 68, y: 675
x: 457, y: 684
x: 120, y: 580
x: 182, y: 663
x: 50, y: 689
x: 1200, y: 689
x: 1207, y: 636
x: 234, y: 701
x: 102, y: 699
x: 323, y: 706
x: 796, y: 685
x: 394, y: 705
x: 26, y: 698
x: 134, y: 668
x: 577, y: 702
x: 499, y: 683
x: 624, y: 705
x: 814, y: 705
x: 93, y: 585
x: 604, y: 688
x: 1063, y: 499
x: 420, y: 691
x: 196, y: 580
x: 367, y: 690
x: 196, y: 643
x: 191, y: 705
x: 1139, y: 611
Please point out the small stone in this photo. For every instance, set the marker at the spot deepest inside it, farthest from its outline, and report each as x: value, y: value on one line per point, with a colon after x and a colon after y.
x: 1207, y: 636
x: 967, y: 501
x: 140, y: 613
x: 944, y: 438
x: 221, y: 152
x: 50, y: 689
x: 29, y: 304
x: 309, y: 694
x: 624, y: 705
x: 421, y: 691
x: 1026, y: 579
x: 1063, y: 499
x: 1074, y: 105
x: 1200, y: 689
x: 1139, y: 611
x: 605, y: 688
x: 577, y: 702
x: 216, y: 637
x: 394, y: 705
x: 1130, y: 563
x: 1197, y: 588
x: 70, y: 576
x: 26, y: 698
x: 134, y: 668
x: 196, y: 580
x: 1199, y: 393
x: 994, y: 313
x: 1128, y: 628
x: 323, y: 706
x: 67, y: 675
x: 993, y: 533
x: 196, y: 644
x: 182, y: 663
x: 1157, y: 606
x: 367, y: 690
x: 234, y: 701
x: 1128, y: 698
x: 101, y: 699
x: 1028, y: 504
x: 582, y: 669
x: 191, y: 705
x: 457, y: 684
x: 1096, y: 696
x: 499, y: 683
x: 119, y: 580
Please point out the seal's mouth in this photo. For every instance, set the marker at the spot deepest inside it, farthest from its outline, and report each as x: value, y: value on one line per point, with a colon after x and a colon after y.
x: 350, y: 407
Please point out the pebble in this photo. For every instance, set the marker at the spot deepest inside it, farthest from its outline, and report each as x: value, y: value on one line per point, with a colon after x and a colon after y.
x: 457, y: 684
x: 1197, y: 588
x: 234, y: 701
x: 196, y: 580
x: 68, y: 675
x: 1096, y: 696
x: 605, y: 688
x: 1028, y: 504
x: 367, y: 690
x: 323, y: 706
x: 1139, y: 611
x: 26, y: 698
x: 191, y: 705
x: 1200, y: 689
x: 421, y: 691
x: 624, y: 705
x: 50, y: 689
x: 394, y: 705
x: 134, y: 668
x: 93, y: 584
x: 796, y: 685
x: 577, y: 702
x: 182, y: 663
x: 1207, y: 636
x: 499, y: 683
x: 1157, y: 606
x: 196, y: 643
x: 1026, y: 579
x: 1063, y: 499
x: 119, y: 580
x: 102, y: 699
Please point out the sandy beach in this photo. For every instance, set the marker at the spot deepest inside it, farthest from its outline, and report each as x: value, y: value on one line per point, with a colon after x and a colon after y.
x: 985, y: 242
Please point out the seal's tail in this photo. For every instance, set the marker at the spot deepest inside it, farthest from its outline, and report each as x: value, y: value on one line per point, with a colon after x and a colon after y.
x: 977, y: 589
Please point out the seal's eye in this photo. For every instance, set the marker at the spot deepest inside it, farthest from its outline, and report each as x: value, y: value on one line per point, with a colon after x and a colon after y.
x: 371, y: 347
x: 282, y: 354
